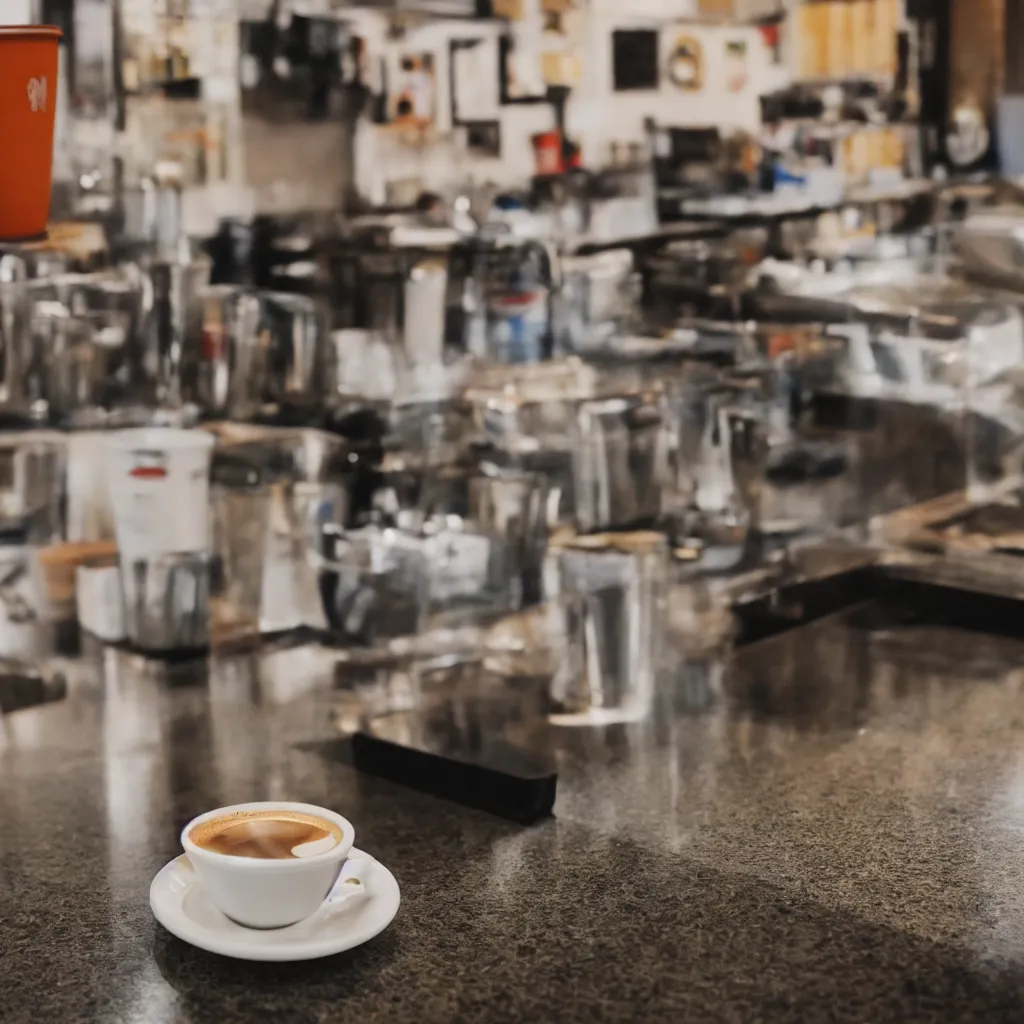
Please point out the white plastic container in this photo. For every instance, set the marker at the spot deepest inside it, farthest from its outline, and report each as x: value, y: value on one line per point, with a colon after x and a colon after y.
x: 159, y: 488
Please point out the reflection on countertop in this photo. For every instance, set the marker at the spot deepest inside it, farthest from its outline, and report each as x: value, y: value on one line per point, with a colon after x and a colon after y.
x: 830, y: 828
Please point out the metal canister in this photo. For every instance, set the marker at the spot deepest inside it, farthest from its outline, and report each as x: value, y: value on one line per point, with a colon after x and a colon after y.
x: 174, y: 332
x: 294, y: 332
x: 232, y: 365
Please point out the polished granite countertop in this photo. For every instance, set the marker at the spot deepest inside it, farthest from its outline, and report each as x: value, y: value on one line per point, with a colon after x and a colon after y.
x: 830, y: 828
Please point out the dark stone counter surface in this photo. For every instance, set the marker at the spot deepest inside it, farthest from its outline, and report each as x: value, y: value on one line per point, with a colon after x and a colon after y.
x: 832, y: 829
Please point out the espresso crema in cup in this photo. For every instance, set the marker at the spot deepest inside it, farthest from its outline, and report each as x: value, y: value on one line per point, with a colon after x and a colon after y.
x: 267, y: 835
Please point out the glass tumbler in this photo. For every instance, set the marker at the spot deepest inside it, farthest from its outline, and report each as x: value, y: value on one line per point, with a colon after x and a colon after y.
x: 707, y: 501
x: 620, y: 462
x: 484, y: 534
x: 374, y: 584
x: 612, y: 600
x: 33, y: 477
x: 76, y: 365
x: 239, y: 518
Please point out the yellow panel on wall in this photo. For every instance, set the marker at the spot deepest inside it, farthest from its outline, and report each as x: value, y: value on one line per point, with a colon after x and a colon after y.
x: 895, y: 153
x: 715, y: 8
x: 512, y: 9
x: 870, y: 149
x: 813, y: 41
x: 844, y: 37
x: 838, y: 39
x: 862, y: 39
x: 885, y: 37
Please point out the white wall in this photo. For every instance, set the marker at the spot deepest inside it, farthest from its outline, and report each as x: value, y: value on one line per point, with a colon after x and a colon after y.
x: 300, y: 168
x: 381, y: 153
x: 17, y: 12
x: 596, y: 115
x: 657, y: 11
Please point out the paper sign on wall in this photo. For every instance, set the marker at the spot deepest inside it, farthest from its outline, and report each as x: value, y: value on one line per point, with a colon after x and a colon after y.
x: 737, y: 75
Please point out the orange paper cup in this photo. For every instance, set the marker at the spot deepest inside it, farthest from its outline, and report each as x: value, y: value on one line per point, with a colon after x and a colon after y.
x: 28, y: 97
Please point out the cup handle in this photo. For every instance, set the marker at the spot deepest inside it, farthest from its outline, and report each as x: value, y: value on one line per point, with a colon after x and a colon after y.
x: 354, y: 885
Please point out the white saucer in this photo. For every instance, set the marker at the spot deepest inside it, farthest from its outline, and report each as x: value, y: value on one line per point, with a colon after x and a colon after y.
x: 362, y: 904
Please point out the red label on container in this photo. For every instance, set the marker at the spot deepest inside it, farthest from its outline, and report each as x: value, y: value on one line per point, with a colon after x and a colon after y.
x: 149, y: 466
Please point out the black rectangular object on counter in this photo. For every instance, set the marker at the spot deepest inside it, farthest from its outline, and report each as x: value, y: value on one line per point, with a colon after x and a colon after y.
x: 504, y: 781
x: 797, y: 604
x: 921, y: 602
x: 27, y: 688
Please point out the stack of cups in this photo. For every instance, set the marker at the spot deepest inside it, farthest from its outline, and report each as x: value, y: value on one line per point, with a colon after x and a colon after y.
x: 159, y: 490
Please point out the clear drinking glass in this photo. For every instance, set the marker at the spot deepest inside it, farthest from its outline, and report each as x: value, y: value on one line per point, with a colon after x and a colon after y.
x: 484, y: 534
x: 374, y: 584
x: 429, y: 433
x: 239, y: 517
x: 33, y: 481
x: 305, y: 471
x: 803, y: 477
x: 118, y: 296
x: 620, y: 461
x: 707, y: 502
x: 525, y: 409
x: 76, y: 361
x: 596, y: 302
x: 612, y: 599
x: 993, y: 384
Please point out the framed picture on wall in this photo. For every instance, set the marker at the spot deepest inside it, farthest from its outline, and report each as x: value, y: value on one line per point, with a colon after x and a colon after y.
x: 473, y: 76
x: 415, y: 97
x: 686, y: 63
x: 521, y: 79
x: 634, y: 60
x: 737, y: 74
x: 290, y: 74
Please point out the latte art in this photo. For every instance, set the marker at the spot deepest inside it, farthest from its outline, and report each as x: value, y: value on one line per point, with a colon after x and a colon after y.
x: 267, y: 835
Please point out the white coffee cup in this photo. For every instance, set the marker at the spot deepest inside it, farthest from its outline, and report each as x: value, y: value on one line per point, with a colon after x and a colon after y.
x: 269, y: 893
x: 159, y: 486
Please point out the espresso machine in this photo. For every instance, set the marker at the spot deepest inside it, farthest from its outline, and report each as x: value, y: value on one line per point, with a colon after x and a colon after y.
x: 687, y: 165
